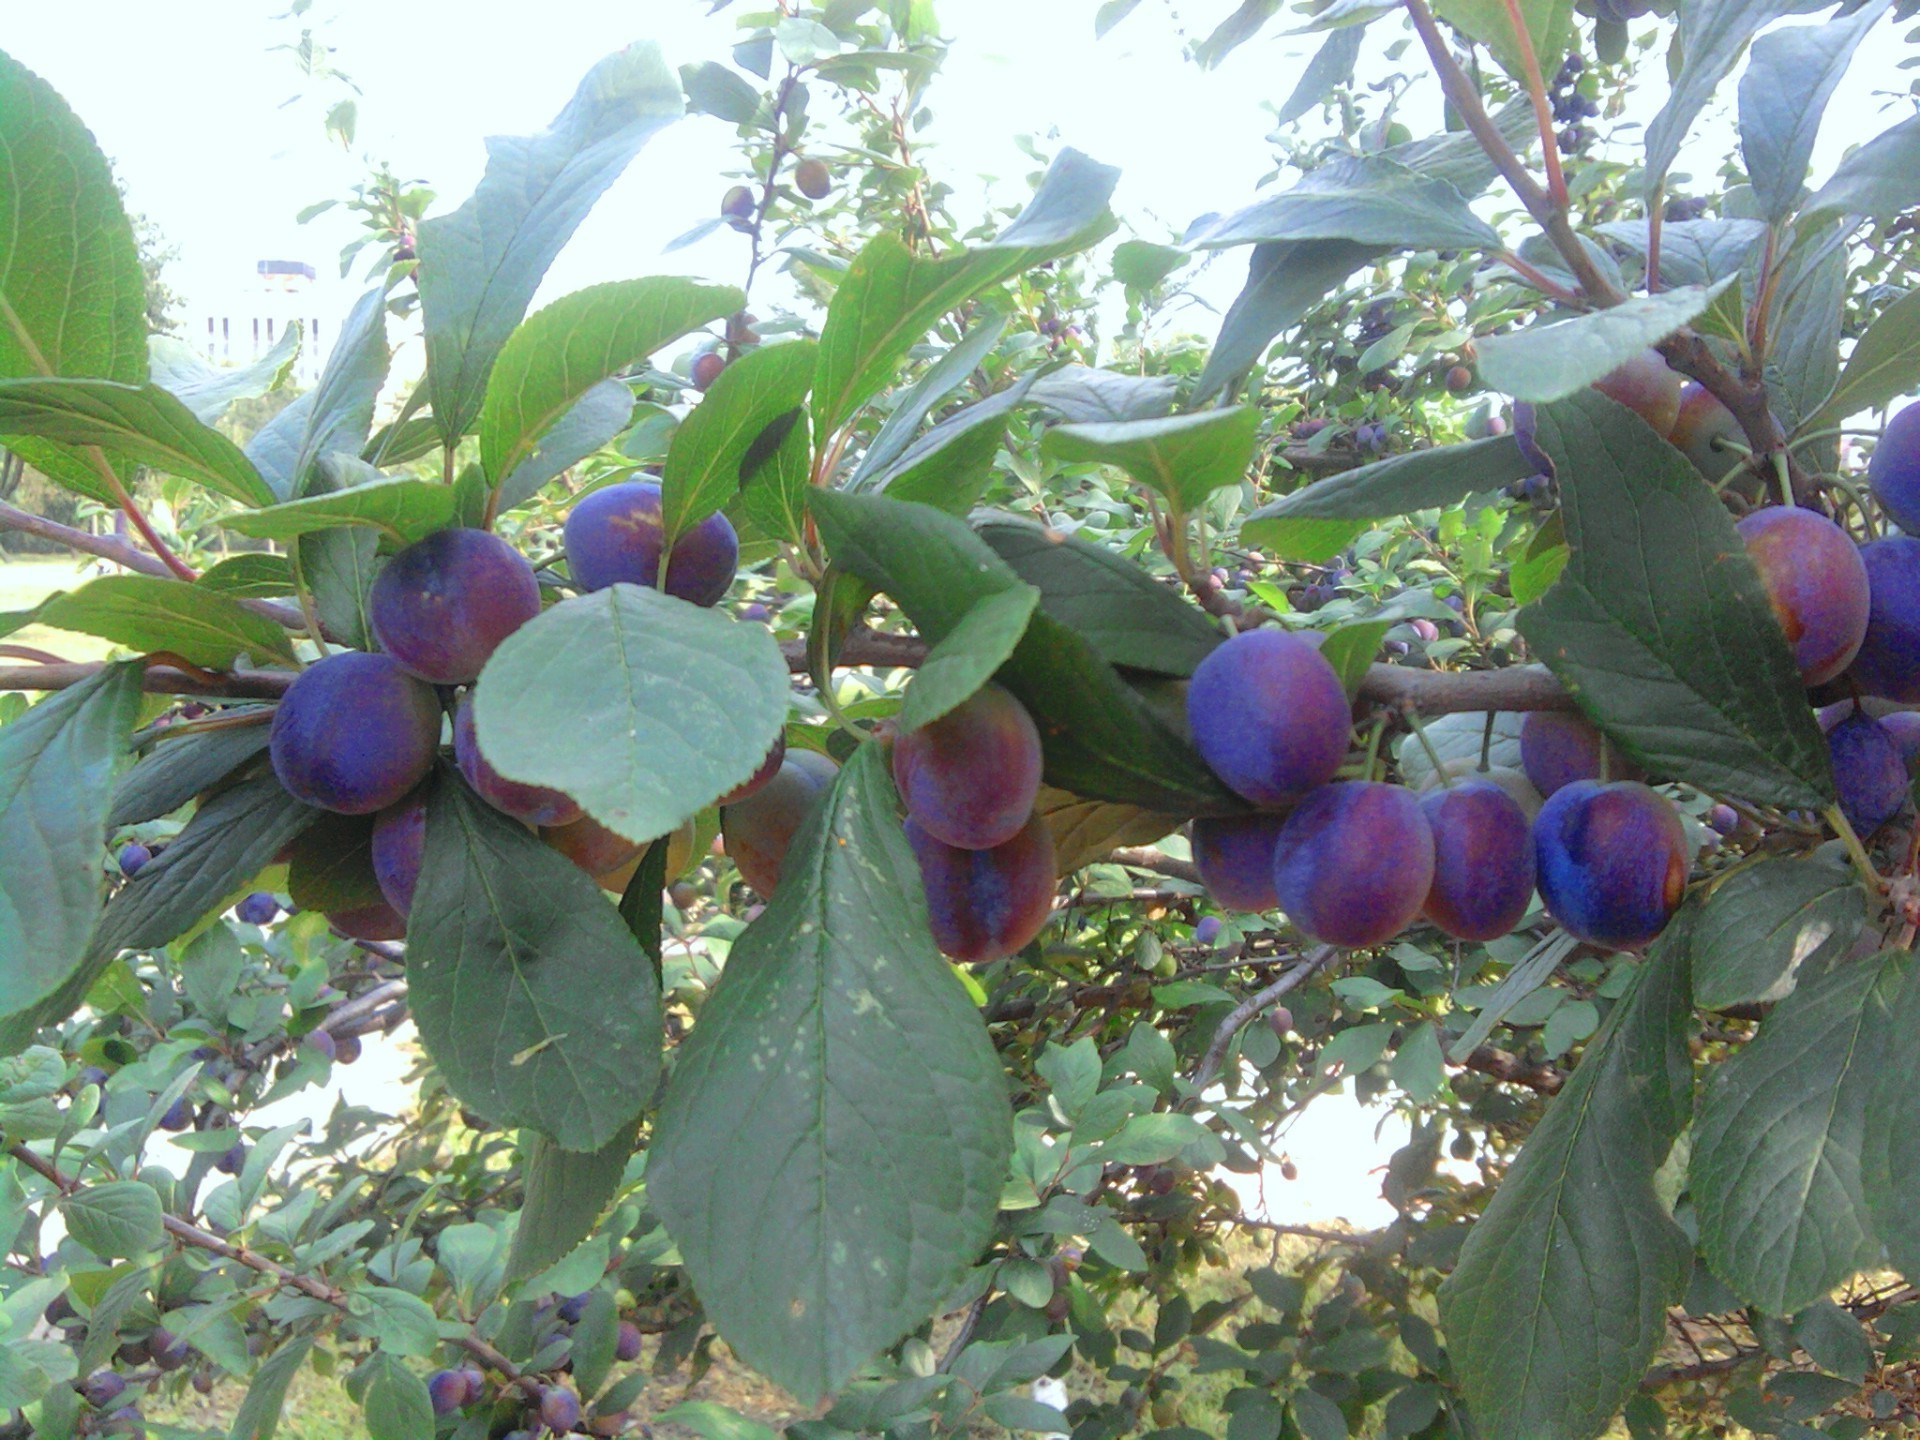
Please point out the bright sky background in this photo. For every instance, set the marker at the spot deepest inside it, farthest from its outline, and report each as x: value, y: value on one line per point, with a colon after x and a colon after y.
x: 187, y: 100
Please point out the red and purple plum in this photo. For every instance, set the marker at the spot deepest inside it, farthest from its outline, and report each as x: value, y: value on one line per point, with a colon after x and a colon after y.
x: 1354, y: 863
x: 760, y: 828
x: 1648, y: 387
x: 985, y: 904
x: 679, y: 857
x: 535, y: 804
x: 1709, y: 435
x: 1816, y: 584
x: 757, y: 781
x: 1894, y: 470
x: 1558, y: 747
x: 1269, y: 715
x: 354, y: 733
x: 379, y: 921
x: 970, y: 778
x: 1888, y: 664
x: 615, y: 536
x: 1869, y: 774
x: 443, y: 605
x: 1234, y: 855
x: 1611, y: 861
x: 399, y: 845
x: 1483, y: 860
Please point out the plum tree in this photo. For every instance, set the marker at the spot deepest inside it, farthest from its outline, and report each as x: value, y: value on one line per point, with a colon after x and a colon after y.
x: 970, y: 777
x: 1269, y: 715
x: 1234, y: 855
x: 1611, y: 861
x: 1869, y: 772
x: 535, y: 804
x: 1558, y: 747
x: 1816, y: 583
x: 760, y: 829
x: 1894, y: 471
x: 988, y: 903
x: 354, y: 733
x: 1354, y: 862
x: 1647, y: 386
x: 1888, y: 661
x: 1483, y: 859
x: 615, y: 536
x: 443, y: 605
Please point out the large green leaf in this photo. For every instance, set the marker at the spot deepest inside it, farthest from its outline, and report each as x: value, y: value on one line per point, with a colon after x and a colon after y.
x: 1790, y: 77
x: 396, y: 1401
x: 1284, y: 281
x: 596, y: 419
x: 1804, y: 364
x: 408, y: 510
x: 1126, y: 615
x: 1368, y: 201
x: 559, y: 354
x: 209, y: 391
x: 1890, y: 1146
x: 119, y: 1218
x: 337, y: 414
x: 772, y: 502
x: 1659, y: 624
x: 148, y: 613
x: 259, y: 1413
x: 58, y: 766
x: 940, y: 380
x: 1775, y: 1173
x: 566, y: 1193
x: 641, y: 706
x: 1885, y: 364
x: 1763, y: 926
x: 176, y: 770
x: 1400, y: 484
x: 1560, y: 1295
x: 889, y: 297
x: 1692, y: 252
x: 143, y: 423
x: 534, y: 1000
x: 1549, y: 29
x: 480, y: 266
x: 950, y: 464
x: 1546, y: 362
x: 1185, y: 458
x: 832, y: 1147
x: 1102, y: 740
x: 707, y: 458
x: 1712, y: 35
x: 966, y: 658
x: 1876, y: 180
x: 1331, y: 67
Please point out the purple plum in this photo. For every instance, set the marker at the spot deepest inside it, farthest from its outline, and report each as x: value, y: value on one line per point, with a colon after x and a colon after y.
x: 984, y: 904
x: 1888, y: 664
x: 535, y: 804
x: 1269, y: 715
x: 1234, y: 855
x: 1816, y: 583
x: 354, y: 733
x: 1894, y: 470
x: 970, y: 778
x: 1611, y: 861
x: 443, y: 605
x: 1354, y: 863
x: 1483, y: 860
x: 615, y: 536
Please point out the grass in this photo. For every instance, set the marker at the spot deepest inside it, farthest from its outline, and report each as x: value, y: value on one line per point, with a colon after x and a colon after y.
x: 27, y: 580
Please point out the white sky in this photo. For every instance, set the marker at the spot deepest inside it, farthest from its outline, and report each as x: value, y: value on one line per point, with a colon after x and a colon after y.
x: 187, y: 101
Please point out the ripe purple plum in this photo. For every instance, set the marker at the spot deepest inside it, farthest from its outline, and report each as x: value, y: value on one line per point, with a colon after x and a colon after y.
x: 1234, y: 855
x: 399, y: 844
x: 1558, y: 747
x: 535, y: 804
x: 1354, y: 863
x: 1904, y: 727
x: 1483, y: 860
x: 1269, y: 715
x: 259, y: 908
x: 626, y: 1346
x: 1894, y: 470
x: 1468, y: 768
x: 444, y: 604
x: 971, y: 777
x: 1611, y: 861
x: 1648, y: 387
x: 985, y: 904
x: 1816, y: 583
x: 1207, y: 932
x: 760, y: 828
x: 755, y: 782
x: 447, y: 1391
x: 706, y: 369
x: 354, y: 733
x: 1869, y: 774
x: 615, y: 535
x: 1888, y: 664
x: 134, y: 858
x: 559, y: 1409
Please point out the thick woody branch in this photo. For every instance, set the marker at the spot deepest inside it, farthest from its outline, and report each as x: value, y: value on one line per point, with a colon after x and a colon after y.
x: 160, y: 680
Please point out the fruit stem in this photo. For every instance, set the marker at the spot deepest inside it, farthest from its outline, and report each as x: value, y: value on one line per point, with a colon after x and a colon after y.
x: 1420, y: 734
x: 1858, y: 852
x: 1486, y: 743
x: 1373, y: 746
x: 305, y: 597
x: 1785, y: 480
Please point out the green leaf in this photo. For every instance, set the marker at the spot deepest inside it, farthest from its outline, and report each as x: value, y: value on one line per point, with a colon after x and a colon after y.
x: 148, y: 613
x: 559, y: 354
x: 337, y: 414
x: 408, y: 510
x: 1775, y: 1173
x: 773, y: 492
x: 1109, y: 601
x: 534, y: 1001
x: 1547, y: 362
x: 1401, y: 484
x: 1315, y: 1416
x: 1083, y: 394
x: 1804, y: 365
x: 1682, y: 665
x: 889, y: 297
x: 1331, y: 67
x: 950, y: 465
x: 1763, y: 925
x: 940, y: 380
x: 1102, y: 740
x: 1834, y: 1340
x: 142, y: 423
x: 1308, y: 542
x: 1885, y: 363
x: 400, y: 1322
x: 1087, y: 830
x: 396, y: 1402
x: 339, y: 567
x: 595, y: 421
x: 711, y: 1420
x: 209, y: 391
x: 480, y: 266
x: 967, y: 656
x: 259, y: 1413
x: 1875, y: 181
x: 713, y: 89
x: 1890, y: 1146
x: 665, y: 705
x: 58, y: 766
x: 834, y: 1140
x: 1710, y: 41
x: 1184, y: 458
x: 1369, y: 201
x: 566, y: 1193
x: 253, y: 576
x: 1692, y: 252
x: 1790, y: 77
x: 1559, y: 1297
x: 707, y: 460
x: 119, y: 1218
x: 1284, y: 281
x: 1350, y: 650
x: 1549, y: 29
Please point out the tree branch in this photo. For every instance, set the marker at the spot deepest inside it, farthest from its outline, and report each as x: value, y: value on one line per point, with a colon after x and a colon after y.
x: 1243, y: 1014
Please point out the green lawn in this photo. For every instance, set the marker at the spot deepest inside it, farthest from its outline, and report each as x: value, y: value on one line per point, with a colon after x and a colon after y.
x: 26, y: 581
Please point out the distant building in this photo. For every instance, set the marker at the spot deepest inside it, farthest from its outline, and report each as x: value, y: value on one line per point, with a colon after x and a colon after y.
x: 242, y: 327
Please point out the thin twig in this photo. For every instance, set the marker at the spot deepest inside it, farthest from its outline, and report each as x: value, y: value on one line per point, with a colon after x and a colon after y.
x: 1243, y: 1014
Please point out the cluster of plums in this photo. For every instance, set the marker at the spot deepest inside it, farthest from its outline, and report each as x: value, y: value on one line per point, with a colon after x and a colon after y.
x: 556, y: 1407
x: 1354, y: 862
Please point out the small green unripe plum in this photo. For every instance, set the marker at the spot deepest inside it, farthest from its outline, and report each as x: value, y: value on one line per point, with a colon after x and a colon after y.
x: 813, y: 179
x: 737, y: 207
